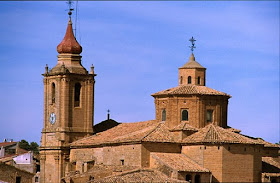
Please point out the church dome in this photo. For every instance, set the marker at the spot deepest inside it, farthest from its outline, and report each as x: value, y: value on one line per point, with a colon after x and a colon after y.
x: 69, y: 43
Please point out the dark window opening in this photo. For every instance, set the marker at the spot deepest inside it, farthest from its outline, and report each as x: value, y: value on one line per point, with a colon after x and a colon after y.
x: 197, y: 179
x: 188, y: 178
x: 53, y: 93
x: 181, y: 80
x: 209, y: 115
x: 189, y: 80
x: 228, y: 148
x: 77, y: 94
x: 36, y: 179
x: 18, y: 179
x: 122, y: 162
x: 198, y: 80
x: 185, y: 115
x: 163, y: 115
x: 37, y: 168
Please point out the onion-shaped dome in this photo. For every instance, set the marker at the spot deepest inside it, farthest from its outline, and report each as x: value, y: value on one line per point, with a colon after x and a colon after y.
x: 69, y: 43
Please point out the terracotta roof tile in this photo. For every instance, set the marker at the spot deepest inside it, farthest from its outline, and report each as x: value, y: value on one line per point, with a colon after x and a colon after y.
x: 184, y: 126
x: 179, y: 162
x: 150, y: 131
x: 188, y: 89
x: 140, y: 175
x: 265, y: 143
x: 271, y: 174
x: 215, y: 134
x: 272, y: 161
x: 233, y: 129
x: 4, y: 144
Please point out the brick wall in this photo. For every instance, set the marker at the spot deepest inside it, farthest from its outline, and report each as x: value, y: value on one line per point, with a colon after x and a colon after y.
x: 228, y: 163
x: 197, y: 107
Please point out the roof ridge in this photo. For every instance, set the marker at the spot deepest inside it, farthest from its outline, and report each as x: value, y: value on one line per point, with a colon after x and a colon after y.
x: 218, y: 133
x: 208, y: 133
x: 151, y: 131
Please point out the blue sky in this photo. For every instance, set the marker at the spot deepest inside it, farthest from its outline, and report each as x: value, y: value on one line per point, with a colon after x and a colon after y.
x: 136, y: 48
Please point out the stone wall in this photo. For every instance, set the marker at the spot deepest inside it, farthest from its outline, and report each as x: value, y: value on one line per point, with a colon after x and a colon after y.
x: 11, y: 174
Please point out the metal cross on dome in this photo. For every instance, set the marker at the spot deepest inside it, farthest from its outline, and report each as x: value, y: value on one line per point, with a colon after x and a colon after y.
x: 192, y: 40
x: 69, y: 2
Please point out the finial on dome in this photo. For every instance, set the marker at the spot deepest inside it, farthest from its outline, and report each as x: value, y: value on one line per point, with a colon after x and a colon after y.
x: 192, y: 58
x: 70, y: 8
x: 46, y: 69
x: 192, y: 40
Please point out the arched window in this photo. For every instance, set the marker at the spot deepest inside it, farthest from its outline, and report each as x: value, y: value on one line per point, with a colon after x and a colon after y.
x: 163, y: 115
x: 197, y: 179
x: 53, y: 93
x: 198, y: 80
x: 185, y: 115
x: 181, y: 80
x: 77, y: 94
x: 188, y: 177
x: 189, y: 80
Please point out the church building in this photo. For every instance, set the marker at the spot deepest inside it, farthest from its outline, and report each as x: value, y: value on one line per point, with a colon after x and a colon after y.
x: 188, y: 141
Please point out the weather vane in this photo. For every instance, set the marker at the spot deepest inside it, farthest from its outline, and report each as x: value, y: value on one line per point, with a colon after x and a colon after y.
x: 69, y: 2
x: 192, y: 40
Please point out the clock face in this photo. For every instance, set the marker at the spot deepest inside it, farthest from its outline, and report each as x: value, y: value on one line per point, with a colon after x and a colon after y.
x: 52, y: 118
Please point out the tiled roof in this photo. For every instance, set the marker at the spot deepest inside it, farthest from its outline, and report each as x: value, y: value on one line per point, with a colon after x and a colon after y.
x: 188, y: 89
x: 272, y: 161
x: 184, y: 126
x: 4, y: 144
x: 266, y: 144
x: 233, y: 129
x: 179, y: 162
x: 140, y: 175
x: 215, y: 134
x: 149, y: 131
x: 271, y: 174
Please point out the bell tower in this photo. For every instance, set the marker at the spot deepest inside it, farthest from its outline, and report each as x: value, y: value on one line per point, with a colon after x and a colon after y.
x: 68, y: 107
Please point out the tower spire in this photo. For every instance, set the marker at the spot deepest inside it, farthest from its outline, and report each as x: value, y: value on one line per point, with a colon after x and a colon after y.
x: 69, y: 43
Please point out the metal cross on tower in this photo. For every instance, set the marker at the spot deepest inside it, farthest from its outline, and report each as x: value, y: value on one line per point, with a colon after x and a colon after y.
x: 108, y: 115
x: 192, y: 40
